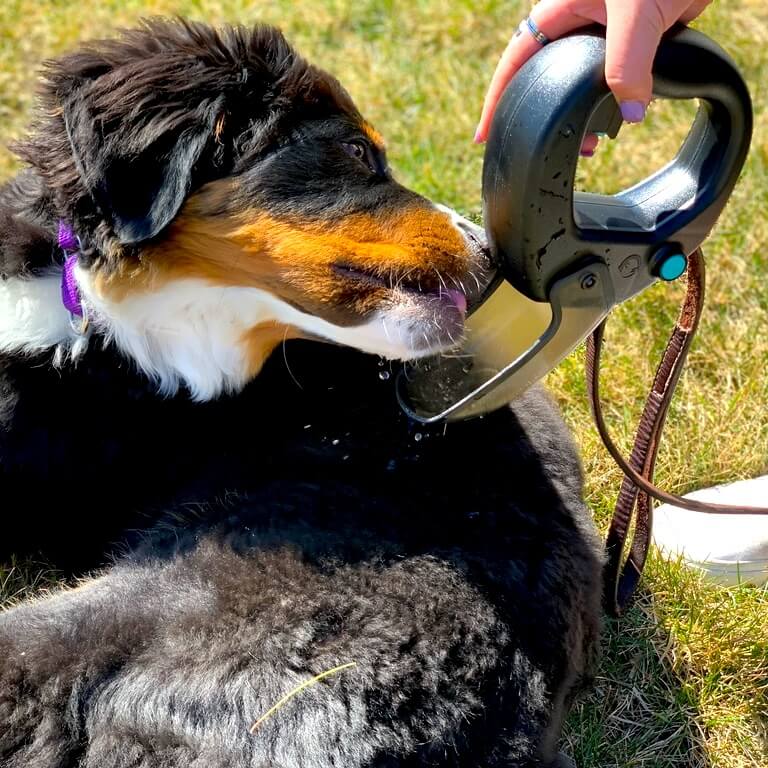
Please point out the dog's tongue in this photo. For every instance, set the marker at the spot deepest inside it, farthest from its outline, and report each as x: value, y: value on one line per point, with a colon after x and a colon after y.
x: 458, y: 298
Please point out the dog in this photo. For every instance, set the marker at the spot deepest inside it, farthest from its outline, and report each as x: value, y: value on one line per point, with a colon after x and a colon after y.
x: 301, y: 576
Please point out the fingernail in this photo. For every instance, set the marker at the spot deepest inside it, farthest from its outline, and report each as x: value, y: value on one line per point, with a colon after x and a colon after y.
x: 587, y: 153
x: 633, y: 111
x: 477, y: 139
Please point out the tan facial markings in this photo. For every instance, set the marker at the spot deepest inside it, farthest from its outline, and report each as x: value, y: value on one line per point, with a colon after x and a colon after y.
x: 376, y: 138
x: 295, y: 260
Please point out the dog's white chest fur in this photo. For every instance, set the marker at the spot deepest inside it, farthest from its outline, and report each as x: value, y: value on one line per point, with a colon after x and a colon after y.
x: 187, y: 332
x: 32, y: 316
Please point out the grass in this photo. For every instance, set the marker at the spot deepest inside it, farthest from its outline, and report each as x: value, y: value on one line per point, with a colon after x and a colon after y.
x: 684, y: 679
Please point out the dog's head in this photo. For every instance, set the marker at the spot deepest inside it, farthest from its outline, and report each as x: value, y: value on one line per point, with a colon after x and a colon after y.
x: 229, y: 196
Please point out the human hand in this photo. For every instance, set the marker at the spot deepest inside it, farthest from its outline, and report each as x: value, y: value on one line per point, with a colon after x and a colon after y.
x: 633, y: 31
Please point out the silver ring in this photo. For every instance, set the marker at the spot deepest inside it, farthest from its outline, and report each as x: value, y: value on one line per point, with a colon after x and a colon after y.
x: 529, y: 25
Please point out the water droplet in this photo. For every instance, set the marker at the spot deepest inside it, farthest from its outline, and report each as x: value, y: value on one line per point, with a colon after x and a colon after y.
x: 344, y: 458
x: 391, y: 465
x: 417, y: 437
x: 307, y: 426
x: 335, y: 442
x: 383, y: 375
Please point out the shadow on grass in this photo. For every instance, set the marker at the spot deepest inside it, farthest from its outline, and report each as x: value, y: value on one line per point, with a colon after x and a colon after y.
x: 638, y: 714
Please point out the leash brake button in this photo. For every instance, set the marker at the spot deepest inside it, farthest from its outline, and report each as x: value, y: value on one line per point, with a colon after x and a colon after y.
x: 668, y: 263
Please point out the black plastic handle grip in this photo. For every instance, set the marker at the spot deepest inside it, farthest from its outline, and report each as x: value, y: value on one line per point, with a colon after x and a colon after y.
x: 539, y: 227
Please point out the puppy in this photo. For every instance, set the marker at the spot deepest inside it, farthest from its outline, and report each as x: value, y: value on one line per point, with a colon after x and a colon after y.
x: 227, y: 197
x: 316, y: 581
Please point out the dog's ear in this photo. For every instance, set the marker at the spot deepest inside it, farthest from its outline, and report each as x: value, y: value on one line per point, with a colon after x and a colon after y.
x: 129, y: 126
x: 137, y: 152
x: 133, y: 123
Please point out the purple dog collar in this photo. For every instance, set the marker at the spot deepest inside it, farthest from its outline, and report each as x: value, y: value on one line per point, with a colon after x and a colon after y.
x: 70, y: 293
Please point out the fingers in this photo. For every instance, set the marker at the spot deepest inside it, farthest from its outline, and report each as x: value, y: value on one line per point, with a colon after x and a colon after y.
x: 554, y: 18
x: 589, y: 145
x: 634, y: 30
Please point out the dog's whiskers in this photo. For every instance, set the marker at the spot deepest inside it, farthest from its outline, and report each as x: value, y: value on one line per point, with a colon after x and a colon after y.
x: 443, y: 287
x: 404, y: 276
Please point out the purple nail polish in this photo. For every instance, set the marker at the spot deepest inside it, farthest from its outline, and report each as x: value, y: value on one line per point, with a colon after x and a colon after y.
x: 587, y: 152
x: 477, y: 137
x: 632, y: 111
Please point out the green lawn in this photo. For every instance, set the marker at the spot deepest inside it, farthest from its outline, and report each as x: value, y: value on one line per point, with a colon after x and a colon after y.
x: 684, y: 680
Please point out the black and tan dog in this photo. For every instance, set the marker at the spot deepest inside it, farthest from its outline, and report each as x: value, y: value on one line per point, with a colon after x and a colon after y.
x: 439, y: 589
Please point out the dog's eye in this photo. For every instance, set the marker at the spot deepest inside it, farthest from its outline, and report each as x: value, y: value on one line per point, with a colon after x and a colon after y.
x: 354, y: 149
x: 365, y: 154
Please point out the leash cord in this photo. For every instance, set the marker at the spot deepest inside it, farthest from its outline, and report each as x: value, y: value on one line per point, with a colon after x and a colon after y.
x: 637, y: 486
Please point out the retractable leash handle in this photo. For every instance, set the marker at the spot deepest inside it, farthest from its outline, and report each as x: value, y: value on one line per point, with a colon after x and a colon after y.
x: 542, y: 230
x: 585, y: 253
x: 580, y: 254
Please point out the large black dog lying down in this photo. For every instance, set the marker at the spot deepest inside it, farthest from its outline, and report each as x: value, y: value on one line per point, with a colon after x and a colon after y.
x: 230, y: 197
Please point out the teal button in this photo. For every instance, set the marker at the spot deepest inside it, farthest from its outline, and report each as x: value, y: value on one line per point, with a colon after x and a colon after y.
x: 673, y: 266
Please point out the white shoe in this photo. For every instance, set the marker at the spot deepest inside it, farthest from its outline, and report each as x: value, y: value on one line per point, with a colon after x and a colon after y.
x: 728, y: 549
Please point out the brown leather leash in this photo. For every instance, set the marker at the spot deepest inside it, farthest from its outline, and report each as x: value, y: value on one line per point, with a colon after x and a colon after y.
x: 637, y: 487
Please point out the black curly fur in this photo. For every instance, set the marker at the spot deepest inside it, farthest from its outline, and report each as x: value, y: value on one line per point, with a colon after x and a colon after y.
x: 459, y: 571
x: 298, y: 526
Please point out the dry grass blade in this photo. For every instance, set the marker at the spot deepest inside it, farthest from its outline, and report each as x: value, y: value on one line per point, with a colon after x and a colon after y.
x: 297, y: 690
